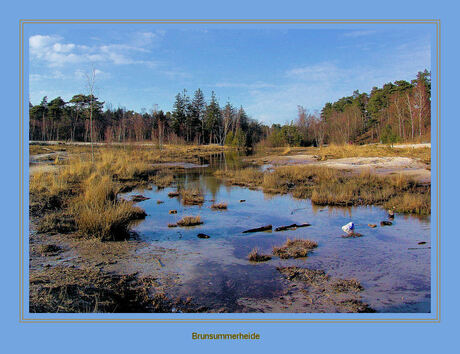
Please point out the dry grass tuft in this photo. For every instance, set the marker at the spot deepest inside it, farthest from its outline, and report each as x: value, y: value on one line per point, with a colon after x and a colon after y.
x: 295, y: 248
x: 191, y: 196
x: 255, y: 256
x: 219, y: 206
x: 249, y: 177
x: 99, y: 214
x: 410, y: 203
x: 190, y: 221
x: 162, y: 179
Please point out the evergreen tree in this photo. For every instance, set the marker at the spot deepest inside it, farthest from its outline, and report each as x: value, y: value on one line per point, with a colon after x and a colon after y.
x: 213, y: 120
x: 197, y: 113
x: 179, y: 114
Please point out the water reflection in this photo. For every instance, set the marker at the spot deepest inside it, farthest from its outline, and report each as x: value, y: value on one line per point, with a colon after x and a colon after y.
x: 394, y: 271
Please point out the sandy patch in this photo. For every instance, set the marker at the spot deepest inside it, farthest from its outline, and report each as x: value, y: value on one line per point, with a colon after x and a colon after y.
x: 413, y: 146
x: 379, y: 165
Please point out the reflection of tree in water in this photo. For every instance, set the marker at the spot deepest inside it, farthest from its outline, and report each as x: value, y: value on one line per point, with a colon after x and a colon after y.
x: 203, y: 178
x: 224, y: 160
x: 211, y: 184
x: 346, y: 211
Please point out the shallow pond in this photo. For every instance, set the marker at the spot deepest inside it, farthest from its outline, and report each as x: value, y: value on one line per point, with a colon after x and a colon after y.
x: 388, y: 261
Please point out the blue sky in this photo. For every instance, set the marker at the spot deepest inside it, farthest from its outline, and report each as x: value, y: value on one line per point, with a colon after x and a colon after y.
x: 268, y: 71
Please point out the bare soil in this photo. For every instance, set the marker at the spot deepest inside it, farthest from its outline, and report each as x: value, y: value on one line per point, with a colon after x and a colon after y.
x: 378, y: 165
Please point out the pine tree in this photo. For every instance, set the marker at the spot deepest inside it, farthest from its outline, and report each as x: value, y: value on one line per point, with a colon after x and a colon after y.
x: 213, y: 119
x: 179, y: 114
x: 197, y: 112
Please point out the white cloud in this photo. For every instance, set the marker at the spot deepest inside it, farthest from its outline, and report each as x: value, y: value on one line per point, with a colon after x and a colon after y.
x: 53, y: 51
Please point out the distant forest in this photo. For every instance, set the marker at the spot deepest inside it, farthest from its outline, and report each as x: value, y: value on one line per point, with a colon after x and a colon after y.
x: 397, y: 112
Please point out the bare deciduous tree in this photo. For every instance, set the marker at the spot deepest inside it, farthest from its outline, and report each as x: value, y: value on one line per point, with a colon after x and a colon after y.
x: 91, y: 80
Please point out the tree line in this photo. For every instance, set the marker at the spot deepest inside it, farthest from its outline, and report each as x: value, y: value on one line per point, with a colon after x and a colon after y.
x: 192, y: 120
x: 398, y: 111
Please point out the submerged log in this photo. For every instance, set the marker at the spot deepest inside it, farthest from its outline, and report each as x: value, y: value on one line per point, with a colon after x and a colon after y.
x: 203, y: 236
x: 138, y: 198
x: 291, y: 227
x: 257, y: 229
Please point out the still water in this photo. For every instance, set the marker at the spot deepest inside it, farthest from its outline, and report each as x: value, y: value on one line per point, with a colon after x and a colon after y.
x: 388, y: 261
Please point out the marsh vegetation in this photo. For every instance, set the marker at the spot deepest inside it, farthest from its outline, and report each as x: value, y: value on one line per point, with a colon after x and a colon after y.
x: 114, y: 202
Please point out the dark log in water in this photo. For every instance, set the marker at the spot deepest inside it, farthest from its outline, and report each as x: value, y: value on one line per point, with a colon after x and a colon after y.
x: 291, y: 227
x: 263, y: 228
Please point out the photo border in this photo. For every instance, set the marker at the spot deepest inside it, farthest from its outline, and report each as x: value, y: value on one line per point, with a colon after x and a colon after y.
x: 22, y: 103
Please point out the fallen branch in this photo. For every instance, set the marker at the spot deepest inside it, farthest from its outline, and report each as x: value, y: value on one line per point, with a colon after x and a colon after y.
x: 263, y: 228
x: 291, y: 227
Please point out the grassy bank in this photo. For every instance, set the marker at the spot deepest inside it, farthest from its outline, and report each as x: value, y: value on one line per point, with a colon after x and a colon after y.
x: 81, y: 194
x: 328, y: 186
